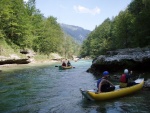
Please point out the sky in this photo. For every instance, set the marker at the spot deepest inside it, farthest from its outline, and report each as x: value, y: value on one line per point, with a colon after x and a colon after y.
x: 83, y: 13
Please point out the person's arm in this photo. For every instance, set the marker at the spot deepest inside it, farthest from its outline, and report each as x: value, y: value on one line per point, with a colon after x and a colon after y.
x: 129, y: 76
x: 99, y: 87
x: 131, y: 72
x: 110, y: 83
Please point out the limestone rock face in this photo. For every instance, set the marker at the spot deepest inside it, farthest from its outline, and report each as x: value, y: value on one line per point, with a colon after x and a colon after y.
x: 133, y: 59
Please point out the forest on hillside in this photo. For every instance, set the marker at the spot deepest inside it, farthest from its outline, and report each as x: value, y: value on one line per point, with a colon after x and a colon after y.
x: 129, y: 29
x: 23, y: 27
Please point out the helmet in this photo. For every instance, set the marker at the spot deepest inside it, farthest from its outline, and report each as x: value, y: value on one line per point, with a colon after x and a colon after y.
x: 126, y: 71
x: 105, y: 73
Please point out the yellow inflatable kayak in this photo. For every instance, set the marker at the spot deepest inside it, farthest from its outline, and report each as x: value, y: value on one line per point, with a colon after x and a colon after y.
x: 65, y: 67
x: 118, y: 92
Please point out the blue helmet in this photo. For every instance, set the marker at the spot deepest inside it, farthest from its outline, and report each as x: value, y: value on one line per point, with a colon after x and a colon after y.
x: 105, y: 73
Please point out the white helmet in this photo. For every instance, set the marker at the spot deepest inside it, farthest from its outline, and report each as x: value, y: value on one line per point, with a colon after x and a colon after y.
x: 126, y: 71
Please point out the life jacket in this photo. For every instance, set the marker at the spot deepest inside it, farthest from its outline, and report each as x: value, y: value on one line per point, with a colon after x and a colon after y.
x: 123, y: 78
x: 63, y: 64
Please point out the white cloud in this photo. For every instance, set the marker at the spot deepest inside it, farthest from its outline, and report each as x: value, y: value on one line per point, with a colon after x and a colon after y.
x: 82, y: 9
x: 25, y: 0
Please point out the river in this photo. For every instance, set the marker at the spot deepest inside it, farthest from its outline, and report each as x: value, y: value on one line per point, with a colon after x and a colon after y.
x: 46, y: 89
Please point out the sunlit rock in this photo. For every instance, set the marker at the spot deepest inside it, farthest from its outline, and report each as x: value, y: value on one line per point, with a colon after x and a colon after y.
x: 133, y: 59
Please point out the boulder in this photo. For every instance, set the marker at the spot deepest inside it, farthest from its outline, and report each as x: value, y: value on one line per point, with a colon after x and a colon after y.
x: 15, y: 61
x: 131, y: 58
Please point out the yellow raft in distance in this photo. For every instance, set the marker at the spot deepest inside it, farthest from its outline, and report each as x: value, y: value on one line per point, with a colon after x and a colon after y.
x: 65, y: 67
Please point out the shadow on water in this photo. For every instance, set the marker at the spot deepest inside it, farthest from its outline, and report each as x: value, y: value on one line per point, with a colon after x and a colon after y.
x: 46, y: 89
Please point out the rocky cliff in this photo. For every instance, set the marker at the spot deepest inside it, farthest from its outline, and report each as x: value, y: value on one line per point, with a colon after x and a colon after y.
x: 132, y: 58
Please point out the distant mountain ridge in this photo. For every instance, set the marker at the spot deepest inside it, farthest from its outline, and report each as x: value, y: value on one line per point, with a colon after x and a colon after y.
x: 78, y: 33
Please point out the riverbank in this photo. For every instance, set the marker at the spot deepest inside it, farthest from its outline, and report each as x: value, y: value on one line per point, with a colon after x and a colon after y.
x: 37, y: 60
x: 35, y: 63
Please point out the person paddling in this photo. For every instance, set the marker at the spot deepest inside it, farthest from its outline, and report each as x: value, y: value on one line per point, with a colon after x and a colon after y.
x: 64, y: 64
x: 68, y: 63
x: 124, y: 79
x: 103, y: 84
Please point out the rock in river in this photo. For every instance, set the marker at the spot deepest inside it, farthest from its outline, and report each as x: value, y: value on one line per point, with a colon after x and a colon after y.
x: 131, y: 58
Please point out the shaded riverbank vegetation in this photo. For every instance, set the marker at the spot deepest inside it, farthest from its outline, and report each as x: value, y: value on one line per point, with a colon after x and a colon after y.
x: 24, y: 27
x: 129, y: 29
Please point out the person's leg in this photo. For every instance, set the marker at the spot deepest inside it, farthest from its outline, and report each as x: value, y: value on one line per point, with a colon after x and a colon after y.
x: 110, y: 89
x: 123, y: 85
x: 103, y: 88
x: 107, y: 88
x: 131, y: 84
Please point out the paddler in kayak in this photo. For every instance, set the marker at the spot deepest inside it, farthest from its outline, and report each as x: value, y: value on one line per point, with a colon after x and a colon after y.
x: 103, y: 84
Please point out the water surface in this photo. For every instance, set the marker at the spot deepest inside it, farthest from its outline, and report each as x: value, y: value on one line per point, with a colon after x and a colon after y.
x: 46, y: 89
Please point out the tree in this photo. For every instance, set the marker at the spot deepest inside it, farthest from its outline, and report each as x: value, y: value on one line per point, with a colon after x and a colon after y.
x: 122, y: 30
x: 140, y: 10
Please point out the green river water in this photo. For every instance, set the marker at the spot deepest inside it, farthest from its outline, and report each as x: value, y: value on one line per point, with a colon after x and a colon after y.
x: 46, y: 89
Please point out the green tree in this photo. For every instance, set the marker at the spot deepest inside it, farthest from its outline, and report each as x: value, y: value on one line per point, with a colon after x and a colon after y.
x: 98, y: 40
x: 122, y: 30
x: 140, y: 10
x: 51, y: 37
x: 14, y: 21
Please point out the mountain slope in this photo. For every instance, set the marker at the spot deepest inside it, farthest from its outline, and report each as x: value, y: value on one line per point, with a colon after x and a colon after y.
x: 78, y: 33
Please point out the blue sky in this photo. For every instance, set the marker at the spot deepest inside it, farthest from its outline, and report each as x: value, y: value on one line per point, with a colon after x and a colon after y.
x: 83, y: 13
